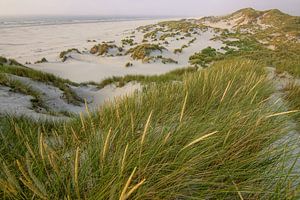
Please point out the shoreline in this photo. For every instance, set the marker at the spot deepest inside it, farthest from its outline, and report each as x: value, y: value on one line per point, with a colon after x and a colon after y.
x: 90, y: 22
x: 18, y: 42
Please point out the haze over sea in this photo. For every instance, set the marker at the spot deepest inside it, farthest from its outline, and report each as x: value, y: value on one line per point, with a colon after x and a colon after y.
x: 38, y: 20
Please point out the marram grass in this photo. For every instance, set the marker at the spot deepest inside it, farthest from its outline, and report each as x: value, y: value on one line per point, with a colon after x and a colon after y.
x: 210, y: 137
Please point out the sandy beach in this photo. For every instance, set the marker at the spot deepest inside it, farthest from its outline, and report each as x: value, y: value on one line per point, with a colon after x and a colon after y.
x: 34, y: 42
x: 115, y: 100
x: 29, y: 44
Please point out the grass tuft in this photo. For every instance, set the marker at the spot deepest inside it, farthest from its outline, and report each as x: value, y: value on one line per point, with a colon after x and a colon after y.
x: 218, y: 150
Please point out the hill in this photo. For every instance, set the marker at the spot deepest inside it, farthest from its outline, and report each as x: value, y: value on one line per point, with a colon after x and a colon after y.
x: 227, y: 127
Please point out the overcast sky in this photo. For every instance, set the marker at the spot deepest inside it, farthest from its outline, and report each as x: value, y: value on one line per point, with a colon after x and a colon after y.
x: 141, y: 7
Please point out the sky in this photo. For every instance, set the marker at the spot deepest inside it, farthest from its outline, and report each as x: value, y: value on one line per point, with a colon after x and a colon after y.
x: 141, y: 7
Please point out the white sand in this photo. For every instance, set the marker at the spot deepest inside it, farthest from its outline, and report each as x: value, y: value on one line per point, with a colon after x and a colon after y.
x: 33, y: 43
x: 96, y: 98
x: 17, y: 104
x: 86, y: 67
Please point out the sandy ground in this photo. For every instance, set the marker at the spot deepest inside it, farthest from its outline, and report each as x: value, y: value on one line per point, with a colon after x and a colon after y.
x: 17, y: 104
x: 29, y: 44
x: 32, y: 43
x: 86, y: 67
x: 292, y: 139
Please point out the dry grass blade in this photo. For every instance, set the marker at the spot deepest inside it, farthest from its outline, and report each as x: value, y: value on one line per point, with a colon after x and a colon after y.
x: 134, y: 188
x: 22, y: 170
x: 258, y: 82
x: 123, y: 194
x: 123, y: 159
x: 183, y: 108
x: 105, y: 147
x: 82, y: 121
x: 76, y: 169
x: 237, y: 189
x: 224, y: 94
x: 41, y: 146
x: 33, y: 189
x: 167, y: 137
x: 200, y: 139
x: 282, y: 113
x: 37, y: 183
x: 8, y: 188
x: 146, y: 128
x: 10, y: 177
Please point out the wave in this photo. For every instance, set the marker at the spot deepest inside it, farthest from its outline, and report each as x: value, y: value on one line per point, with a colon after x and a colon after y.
x: 11, y: 22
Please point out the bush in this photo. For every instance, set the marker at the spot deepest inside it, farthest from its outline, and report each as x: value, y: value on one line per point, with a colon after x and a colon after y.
x: 168, y: 61
x: 3, y: 60
x: 143, y: 51
x: 127, y: 42
x: 102, y: 49
x: 43, y: 60
x: 129, y: 64
x: 192, y: 41
x: 166, y: 35
x: 91, y: 41
x: 64, y: 54
x: 205, y: 57
x: 177, y: 51
x: 188, y: 35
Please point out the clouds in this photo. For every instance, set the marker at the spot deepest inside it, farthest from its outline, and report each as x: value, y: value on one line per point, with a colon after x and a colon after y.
x: 140, y: 7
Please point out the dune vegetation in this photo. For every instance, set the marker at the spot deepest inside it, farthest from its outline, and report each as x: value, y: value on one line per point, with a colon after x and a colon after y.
x: 175, y: 75
x: 60, y: 83
x: 218, y: 129
x: 127, y: 41
x: 104, y: 48
x: 19, y: 87
x: 211, y: 137
x: 64, y: 54
x: 43, y: 60
x: 143, y: 51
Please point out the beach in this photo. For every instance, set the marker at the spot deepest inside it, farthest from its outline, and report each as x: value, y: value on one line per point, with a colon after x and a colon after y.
x: 30, y: 44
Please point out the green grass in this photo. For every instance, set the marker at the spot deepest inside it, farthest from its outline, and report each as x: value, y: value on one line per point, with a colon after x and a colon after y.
x: 175, y: 75
x: 143, y: 51
x: 8, y: 61
x: 205, y: 57
x: 127, y: 41
x: 167, y: 60
x: 190, y: 134
x: 3, y: 60
x: 153, y: 34
x: 167, y: 35
x: 179, y: 26
x: 286, y: 56
x: 181, y: 49
x: 101, y: 49
x: 43, y: 60
x: 19, y: 87
x: 293, y: 97
x: 208, y: 138
x: 63, y: 54
x: 60, y: 83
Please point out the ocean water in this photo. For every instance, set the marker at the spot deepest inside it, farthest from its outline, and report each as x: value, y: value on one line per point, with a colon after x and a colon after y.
x: 25, y: 21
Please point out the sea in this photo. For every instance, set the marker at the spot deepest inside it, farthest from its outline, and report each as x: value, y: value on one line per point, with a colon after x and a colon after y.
x: 26, y: 21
